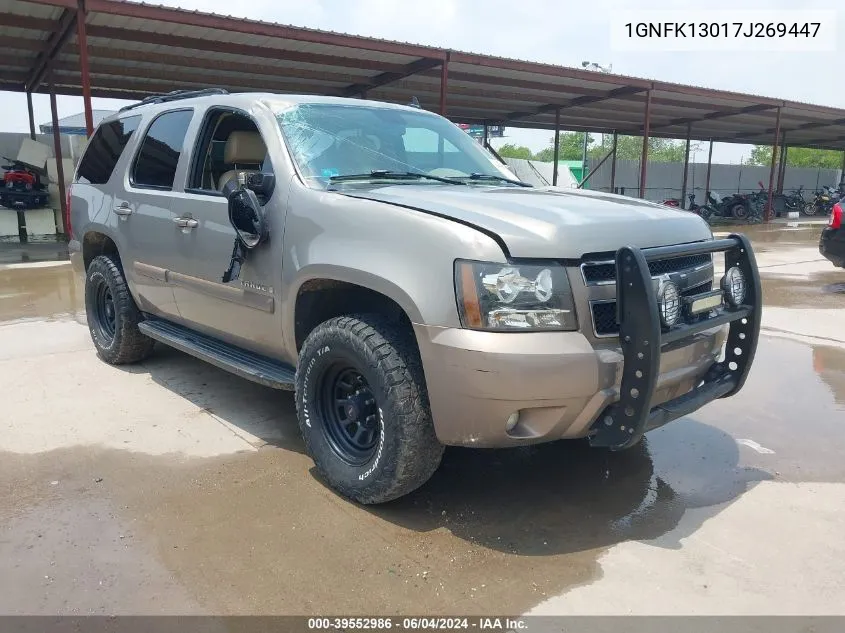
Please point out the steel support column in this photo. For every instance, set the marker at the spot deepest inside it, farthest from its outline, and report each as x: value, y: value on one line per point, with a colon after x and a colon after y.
x: 557, y: 148
x: 57, y: 149
x: 646, y: 130
x: 31, y: 115
x: 768, y: 209
x: 707, y: 179
x: 782, y: 164
x: 444, y: 81
x: 686, y: 168
x: 613, y: 163
x: 82, y: 43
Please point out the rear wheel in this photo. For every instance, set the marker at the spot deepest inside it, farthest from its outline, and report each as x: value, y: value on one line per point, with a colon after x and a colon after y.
x: 113, y: 316
x: 810, y: 209
x: 363, y: 408
x: 739, y: 211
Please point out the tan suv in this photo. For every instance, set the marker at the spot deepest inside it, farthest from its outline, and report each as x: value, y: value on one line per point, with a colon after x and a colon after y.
x: 376, y: 260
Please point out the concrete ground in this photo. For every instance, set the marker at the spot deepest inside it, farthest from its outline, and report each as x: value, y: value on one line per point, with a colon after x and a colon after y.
x: 173, y: 487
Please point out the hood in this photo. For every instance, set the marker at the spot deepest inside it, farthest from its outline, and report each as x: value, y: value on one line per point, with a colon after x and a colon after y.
x: 549, y: 222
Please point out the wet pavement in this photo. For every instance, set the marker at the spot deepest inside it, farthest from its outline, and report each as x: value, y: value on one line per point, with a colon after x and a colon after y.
x: 172, y: 487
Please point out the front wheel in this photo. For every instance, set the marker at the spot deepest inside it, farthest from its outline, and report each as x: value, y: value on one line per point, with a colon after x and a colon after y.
x: 739, y: 211
x: 810, y: 209
x: 363, y: 408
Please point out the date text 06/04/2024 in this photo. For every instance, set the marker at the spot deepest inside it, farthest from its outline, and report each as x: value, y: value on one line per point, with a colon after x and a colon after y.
x: 722, y: 29
x: 417, y: 623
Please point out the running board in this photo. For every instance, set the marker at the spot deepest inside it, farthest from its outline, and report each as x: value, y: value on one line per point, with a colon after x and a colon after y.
x: 249, y: 365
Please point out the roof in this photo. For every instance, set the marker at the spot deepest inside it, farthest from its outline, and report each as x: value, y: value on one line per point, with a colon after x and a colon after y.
x: 139, y: 49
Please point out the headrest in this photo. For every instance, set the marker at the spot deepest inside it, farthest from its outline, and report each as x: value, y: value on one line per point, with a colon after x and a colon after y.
x: 244, y: 147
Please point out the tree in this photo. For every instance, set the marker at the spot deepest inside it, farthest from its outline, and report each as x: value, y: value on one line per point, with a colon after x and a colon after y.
x: 510, y: 150
x: 798, y: 157
x: 660, y: 150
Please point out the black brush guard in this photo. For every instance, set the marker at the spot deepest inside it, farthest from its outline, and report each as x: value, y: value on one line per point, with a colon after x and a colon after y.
x: 641, y: 337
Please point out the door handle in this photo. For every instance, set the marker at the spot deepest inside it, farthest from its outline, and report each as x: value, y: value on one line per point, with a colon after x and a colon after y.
x: 186, y: 223
x: 123, y: 210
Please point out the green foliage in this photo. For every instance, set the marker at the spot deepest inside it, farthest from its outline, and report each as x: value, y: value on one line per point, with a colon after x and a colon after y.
x: 798, y: 157
x: 660, y: 150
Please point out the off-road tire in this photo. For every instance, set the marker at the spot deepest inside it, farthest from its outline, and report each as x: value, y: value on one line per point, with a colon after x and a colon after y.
x: 407, y: 451
x: 740, y: 211
x: 127, y: 344
x: 810, y: 209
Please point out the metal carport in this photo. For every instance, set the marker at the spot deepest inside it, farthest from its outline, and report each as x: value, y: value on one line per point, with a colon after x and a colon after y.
x: 113, y: 48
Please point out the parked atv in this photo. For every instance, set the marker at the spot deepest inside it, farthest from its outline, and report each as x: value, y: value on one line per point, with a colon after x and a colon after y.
x: 22, y: 187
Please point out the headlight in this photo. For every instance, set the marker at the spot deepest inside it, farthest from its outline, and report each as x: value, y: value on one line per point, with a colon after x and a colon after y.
x: 514, y: 297
x: 733, y: 285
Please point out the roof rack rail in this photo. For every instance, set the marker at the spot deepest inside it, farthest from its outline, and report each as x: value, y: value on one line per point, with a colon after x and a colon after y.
x: 175, y: 96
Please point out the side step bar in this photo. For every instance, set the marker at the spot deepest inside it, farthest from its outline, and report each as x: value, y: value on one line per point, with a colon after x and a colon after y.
x: 249, y: 365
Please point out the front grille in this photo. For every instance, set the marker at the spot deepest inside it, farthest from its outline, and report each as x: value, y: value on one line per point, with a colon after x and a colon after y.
x: 605, y: 272
x: 604, y: 312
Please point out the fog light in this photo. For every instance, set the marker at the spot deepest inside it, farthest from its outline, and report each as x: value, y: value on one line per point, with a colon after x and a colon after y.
x: 733, y: 285
x: 669, y: 302
x: 513, y: 420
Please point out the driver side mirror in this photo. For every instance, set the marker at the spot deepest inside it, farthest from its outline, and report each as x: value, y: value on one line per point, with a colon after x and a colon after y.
x: 246, y: 214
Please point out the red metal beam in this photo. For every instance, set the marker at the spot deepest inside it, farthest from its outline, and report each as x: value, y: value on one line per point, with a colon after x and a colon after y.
x: 54, y: 46
x: 31, y: 115
x: 769, y: 208
x: 576, y: 102
x: 57, y: 149
x: 389, y: 77
x: 613, y: 163
x: 644, y: 158
x: 28, y: 22
x: 15, y: 44
x: 782, y: 163
x: 260, y: 29
x: 82, y: 42
x: 444, y: 84
x: 707, y: 179
x: 814, y: 125
x: 721, y: 114
x: 686, y: 167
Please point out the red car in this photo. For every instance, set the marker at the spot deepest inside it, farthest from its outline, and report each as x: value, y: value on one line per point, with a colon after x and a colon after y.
x: 832, y: 242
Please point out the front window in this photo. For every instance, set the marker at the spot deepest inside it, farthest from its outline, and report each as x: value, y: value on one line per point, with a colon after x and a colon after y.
x: 330, y: 141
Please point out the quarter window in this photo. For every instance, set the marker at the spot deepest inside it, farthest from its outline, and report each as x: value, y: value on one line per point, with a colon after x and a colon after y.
x: 104, y: 150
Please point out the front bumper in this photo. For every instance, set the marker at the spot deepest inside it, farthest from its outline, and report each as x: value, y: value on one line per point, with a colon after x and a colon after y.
x: 565, y: 386
x: 832, y: 246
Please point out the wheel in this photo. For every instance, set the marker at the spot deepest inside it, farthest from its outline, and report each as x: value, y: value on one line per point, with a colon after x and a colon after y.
x: 810, y: 209
x: 739, y: 211
x: 705, y: 212
x: 363, y: 408
x: 113, y: 316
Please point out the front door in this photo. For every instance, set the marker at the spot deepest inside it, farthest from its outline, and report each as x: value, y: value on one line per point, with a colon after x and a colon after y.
x: 242, y: 311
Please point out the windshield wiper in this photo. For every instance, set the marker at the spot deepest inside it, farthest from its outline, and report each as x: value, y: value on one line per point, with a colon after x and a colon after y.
x: 493, y: 177
x: 393, y: 175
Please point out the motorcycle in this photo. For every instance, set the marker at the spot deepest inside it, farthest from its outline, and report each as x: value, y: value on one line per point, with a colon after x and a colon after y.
x: 703, y: 210
x: 822, y: 202
x: 795, y: 200
x: 734, y: 206
x: 22, y: 187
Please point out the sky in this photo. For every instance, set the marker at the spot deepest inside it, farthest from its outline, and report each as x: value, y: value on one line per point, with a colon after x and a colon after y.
x: 550, y: 31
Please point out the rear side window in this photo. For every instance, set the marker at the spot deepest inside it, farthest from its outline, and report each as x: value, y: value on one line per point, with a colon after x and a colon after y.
x: 155, y: 165
x: 104, y: 150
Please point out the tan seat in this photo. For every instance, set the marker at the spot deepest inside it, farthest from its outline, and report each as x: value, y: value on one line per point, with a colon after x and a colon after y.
x: 242, y: 148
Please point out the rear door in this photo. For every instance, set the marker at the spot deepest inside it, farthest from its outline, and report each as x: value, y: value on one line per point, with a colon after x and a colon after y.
x: 143, y: 202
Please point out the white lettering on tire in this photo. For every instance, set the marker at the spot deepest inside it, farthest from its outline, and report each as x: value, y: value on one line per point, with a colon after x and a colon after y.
x: 305, y: 414
x: 372, y: 468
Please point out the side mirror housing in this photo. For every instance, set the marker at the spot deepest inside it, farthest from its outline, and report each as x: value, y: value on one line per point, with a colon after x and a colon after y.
x: 246, y: 215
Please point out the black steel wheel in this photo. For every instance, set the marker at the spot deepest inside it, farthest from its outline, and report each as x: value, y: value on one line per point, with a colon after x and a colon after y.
x: 113, y: 316
x: 351, y: 419
x: 739, y: 211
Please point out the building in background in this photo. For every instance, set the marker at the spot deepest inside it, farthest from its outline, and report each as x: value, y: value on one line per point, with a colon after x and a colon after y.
x: 75, y: 124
